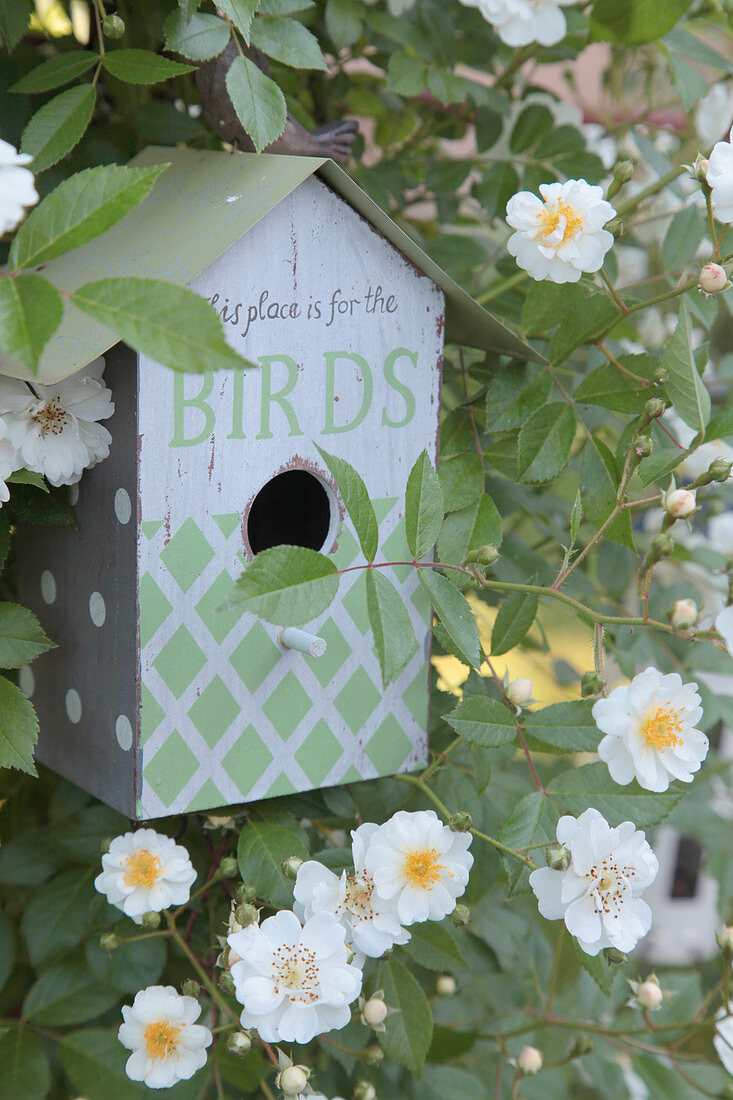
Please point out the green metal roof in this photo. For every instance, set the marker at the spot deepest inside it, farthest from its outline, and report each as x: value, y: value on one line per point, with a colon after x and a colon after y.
x: 198, y: 207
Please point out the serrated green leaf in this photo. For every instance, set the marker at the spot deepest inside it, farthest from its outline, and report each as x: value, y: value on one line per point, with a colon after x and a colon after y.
x: 55, y: 72
x: 567, y: 726
x: 357, y: 502
x: 21, y: 636
x: 423, y: 507
x: 58, y: 126
x: 18, y: 728
x: 199, y: 38
x: 608, y: 387
x: 28, y: 477
x: 660, y: 464
x: 451, y: 1083
x: 94, y: 1061
x: 483, y: 722
x: 7, y: 948
x: 241, y: 13
x: 135, y: 964
x: 263, y: 846
x: 30, y: 312
x: 409, y: 1030
x: 682, y: 240
x: 142, y: 66
x: 634, y: 22
x: 170, y: 323
x: 582, y: 326
x: 455, y: 614
x: 14, y: 19
x: 80, y: 209
x: 532, y: 821
x: 65, y: 993
x: 545, y: 442
x: 461, y: 481
x: 600, y: 478
x: 287, y: 585
x: 288, y: 41
x: 434, y: 946
x: 600, y: 969
x: 58, y: 915
x: 515, y: 616
x: 532, y: 124
x: 25, y: 1073
x: 344, y: 21
x: 394, y: 636
x: 259, y: 103
x: 684, y: 386
x: 514, y: 394
x: 406, y: 75
x: 496, y: 187
x: 576, y: 518
x: 591, y: 785
x: 477, y: 525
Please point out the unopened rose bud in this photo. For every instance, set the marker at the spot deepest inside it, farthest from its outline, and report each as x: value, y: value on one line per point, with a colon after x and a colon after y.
x: 649, y: 995
x: 246, y: 914
x: 150, y: 920
x: 244, y: 892
x: 622, y: 173
x: 374, y: 1012
x: 293, y: 1080
x: 104, y: 844
x: 615, y: 226
x: 529, y: 1060
x: 699, y: 170
x: 446, y: 985
x: 653, y: 409
x: 713, y: 278
x: 519, y: 691
x: 487, y: 555
x: 557, y: 858
x: 113, y: 26
x: 680, y: 503
x: 228, y: 867
x: 290, y: 867
x: 583, y: 1045
x: 239, y: 1043
x: 725, y: 940
x: 662, y: 546
x: 226, y: 982
x: 109, y: 941
x: 216, y: 821
x: 643, y: 446
x: 365, y: 1091
x: 373, y: 1054
x: 660, y: 376
x: 684, y: 614
x: 613, y: 955
x: 591, y: 683
x: 191, y: 988
x: 720, y: 469
x: 460, y: 916
x: 460, y: 822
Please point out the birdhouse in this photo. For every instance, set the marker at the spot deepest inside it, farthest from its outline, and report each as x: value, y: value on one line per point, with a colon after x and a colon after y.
x: 156, y: 700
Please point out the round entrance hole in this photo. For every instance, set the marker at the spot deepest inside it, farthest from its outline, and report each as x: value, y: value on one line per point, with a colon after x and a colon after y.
x: 292, y: 509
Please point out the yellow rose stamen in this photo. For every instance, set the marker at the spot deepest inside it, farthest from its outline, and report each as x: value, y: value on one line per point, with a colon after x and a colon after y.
x: 661, y: 727
x: 161, y: 1038
x: 549, y: 219
x: 141, y: 869
x: 423, y: 868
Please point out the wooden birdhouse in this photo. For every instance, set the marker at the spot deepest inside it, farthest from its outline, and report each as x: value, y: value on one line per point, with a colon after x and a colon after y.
x: 157, y: 701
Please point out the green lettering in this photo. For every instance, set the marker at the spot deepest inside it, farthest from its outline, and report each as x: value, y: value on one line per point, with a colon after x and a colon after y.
x: 198, y: 401
x: 404, y: 391
x: 331, y: 428
x: 237, y: 431
x: 268, y: 397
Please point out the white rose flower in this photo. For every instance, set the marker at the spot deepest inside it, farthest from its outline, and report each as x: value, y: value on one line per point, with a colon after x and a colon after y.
x: 8, y: 462
x: 650, y: 727
x: 720, y: 179
x: 145, y: 872
x: 294, y: 981
x: 723, y: 1039
x: 54, y: 428
x: 714, y: 114
x: 724, y: 627
x: 418, y: 864
x: 371, y: 923
x: 17, y: 189
x: 167, y: 1044
x: 563, y: 236
x: 598, y: 896
x: 519, y: 22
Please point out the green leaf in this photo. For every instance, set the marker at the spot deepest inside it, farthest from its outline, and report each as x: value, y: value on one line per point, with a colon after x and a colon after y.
x: 263, y: 846
x: 600, y: 969
x: 406, y: 75
x: 28, y: 477
x: 18, y: 729
x: 582, y: 326
x: 496, y: 187
x: 685, y: 388
x: 477, y: 525
x: 58, y: 915
x: 130, y: 968
x: 30, y: 312
x: 683, y: 237
x: 532, y: 124
x: 634, y: 22
x: 201, y: 37
x: 394, y: 636
x: 283, y: 7
x: 7, y: 948
x: 689, y: 84
x: 4, y: 539
x: 451, y: 1083
x: 344, y: 21
x: 287, y: 585
x: 591, y: 785
x: 461, y: 481
x: 423, y: 507
x: 21, y: 636
x: 355, y: 496
x: 65, y: 993
x: 483, y: 722
x: 545, y: 442
x: 608, y: 387
x: 660, y: 464
x: 514, y: 394
x: 454, y: 613
x: 259, y: 103
x: 169, y: 323
x: 14, y: 19
x: 600, y: 477
x: 289, y: 42
x: 94, y: 1061
x: 434, y: 946
x: 410, y: 1030
x: 58, y: 126
x: 566, y: 726
x: 55, y: 72
x: 241, y: 13
x: 142, y: 66
x: 576, y: 518
x: 446, y: 86
x: 532, y: 821
x: 515, y: 617
x: 27, y: 859
x: 80, y: 209
x: 25, y: 1073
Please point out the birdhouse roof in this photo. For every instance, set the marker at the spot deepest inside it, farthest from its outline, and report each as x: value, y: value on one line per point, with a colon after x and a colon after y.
x: 198, y: 208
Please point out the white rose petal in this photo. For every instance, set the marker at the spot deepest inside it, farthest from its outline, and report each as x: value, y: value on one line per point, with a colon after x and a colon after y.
x: 145, y: 872
x: 720, y: 179
x: 166, y: 1042
x: 714, y: 114
x: 519, y: 22
x: 17, y: 189
x: 723, y: 1039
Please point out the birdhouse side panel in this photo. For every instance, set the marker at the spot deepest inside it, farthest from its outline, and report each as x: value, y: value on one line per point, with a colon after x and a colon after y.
x: 347, y: 338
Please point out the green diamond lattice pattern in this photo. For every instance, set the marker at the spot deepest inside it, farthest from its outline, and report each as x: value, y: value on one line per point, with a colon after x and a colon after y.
x: 227, y: 714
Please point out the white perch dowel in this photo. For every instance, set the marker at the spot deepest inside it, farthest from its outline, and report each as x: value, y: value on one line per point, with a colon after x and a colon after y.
x: 293, y: 638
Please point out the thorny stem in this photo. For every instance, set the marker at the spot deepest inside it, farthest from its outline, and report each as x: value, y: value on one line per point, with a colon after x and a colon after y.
x: 619, y: 366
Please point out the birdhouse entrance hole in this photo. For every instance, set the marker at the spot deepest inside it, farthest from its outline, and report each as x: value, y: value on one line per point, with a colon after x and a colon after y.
x: 293, y: 508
